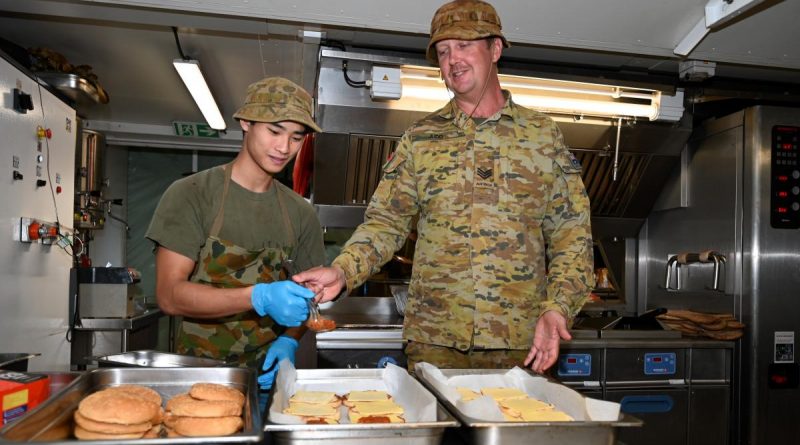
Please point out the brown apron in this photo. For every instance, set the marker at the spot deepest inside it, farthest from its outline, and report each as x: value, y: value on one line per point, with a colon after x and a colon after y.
x: 241, y: 338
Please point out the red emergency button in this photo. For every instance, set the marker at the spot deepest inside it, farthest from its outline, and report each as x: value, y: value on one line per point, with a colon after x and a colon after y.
x: 48, y: 133
x: 58, y: 189
x: 778, y: 379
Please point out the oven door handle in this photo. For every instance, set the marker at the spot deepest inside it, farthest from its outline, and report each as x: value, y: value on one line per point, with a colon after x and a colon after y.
x: 646, y: 404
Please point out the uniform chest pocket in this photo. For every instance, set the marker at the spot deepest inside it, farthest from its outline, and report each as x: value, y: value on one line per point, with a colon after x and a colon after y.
x: 440, y: 171
x: 524, y: 187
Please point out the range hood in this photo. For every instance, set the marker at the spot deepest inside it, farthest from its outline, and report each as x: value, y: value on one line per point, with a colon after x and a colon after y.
x: 359, y: 132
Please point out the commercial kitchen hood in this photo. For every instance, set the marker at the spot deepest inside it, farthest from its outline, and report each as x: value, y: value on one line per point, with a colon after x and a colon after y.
x: 359, y: 132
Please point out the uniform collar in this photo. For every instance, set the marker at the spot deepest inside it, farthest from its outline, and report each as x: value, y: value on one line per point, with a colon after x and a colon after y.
x: 459, y: 117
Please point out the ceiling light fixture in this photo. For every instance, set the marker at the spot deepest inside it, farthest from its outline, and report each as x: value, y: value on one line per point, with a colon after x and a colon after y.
x: 189, y: 70
x: 423, y: 89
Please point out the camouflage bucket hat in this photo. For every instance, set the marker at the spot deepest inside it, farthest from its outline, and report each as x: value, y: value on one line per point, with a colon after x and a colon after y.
x: 464, y: 20
x: 276, y: 99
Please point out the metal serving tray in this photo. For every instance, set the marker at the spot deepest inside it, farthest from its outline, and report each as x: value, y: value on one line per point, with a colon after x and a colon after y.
x: 155, y: 359
x: 482, y: 432
x: 413, y: 433
x: 52, y: 421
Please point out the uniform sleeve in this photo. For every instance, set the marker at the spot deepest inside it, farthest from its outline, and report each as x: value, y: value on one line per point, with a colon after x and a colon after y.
x: 176, y: 222
x: 568, y: 236
x: 387, y: 220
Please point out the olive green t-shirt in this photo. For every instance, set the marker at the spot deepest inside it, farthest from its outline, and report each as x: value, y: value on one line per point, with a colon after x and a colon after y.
x: 184, y: 216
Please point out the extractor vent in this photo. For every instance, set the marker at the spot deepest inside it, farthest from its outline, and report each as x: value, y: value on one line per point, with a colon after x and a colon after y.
x: 365, y: 157
x: 608, y: 197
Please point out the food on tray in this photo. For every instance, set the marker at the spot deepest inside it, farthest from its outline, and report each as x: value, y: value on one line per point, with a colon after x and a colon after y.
x: 519, y: 407
x: 389, y: 418
x: 467, y: 394
x: 208, y: 409
x: 213, y: 391
x: 126, y: 412
x: 501, y: 393
x: 188, y: 406
x: 546, y: 415
x: 377, y: 408
x: 316, y: 397
x: 371, y: 395
x: 208, y: 426
x: 312, y: 410
x: 315, y: 407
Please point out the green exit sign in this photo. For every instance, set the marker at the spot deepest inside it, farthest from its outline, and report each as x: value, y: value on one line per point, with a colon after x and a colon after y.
x: 194, y: 130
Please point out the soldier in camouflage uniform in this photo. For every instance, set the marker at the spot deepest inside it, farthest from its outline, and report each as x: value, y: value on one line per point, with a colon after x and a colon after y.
x: 223, y: 234
x: 504, y: 255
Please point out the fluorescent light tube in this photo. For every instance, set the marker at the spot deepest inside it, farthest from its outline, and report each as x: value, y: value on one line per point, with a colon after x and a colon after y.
x: 189, y: 70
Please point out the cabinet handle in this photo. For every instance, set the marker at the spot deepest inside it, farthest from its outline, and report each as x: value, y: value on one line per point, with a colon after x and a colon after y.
x: 646, y: 404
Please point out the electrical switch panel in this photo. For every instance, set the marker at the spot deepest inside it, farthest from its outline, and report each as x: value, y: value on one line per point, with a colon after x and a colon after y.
x: 32, y: 230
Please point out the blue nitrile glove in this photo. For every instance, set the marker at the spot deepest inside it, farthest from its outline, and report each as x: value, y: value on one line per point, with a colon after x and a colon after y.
x: 282, y: 348
x: 284, y: 301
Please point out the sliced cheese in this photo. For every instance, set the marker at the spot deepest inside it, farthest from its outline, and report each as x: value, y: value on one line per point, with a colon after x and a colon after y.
x: 314, y: 397
x: 467, y: 394
x: 502, y: 393
x: 312, y: 410
x: 367, y: 396
x: 546, y: 415
x: 382, y: 407
x: 519, y: 407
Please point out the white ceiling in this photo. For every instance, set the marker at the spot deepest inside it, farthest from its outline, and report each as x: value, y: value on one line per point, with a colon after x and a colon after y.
x: 130, y: 45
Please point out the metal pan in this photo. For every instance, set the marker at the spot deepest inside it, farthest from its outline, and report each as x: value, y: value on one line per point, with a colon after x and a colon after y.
x: 52, y: 421
x: 155, y: 359
x: 413, y: 433
x: 482, y: 432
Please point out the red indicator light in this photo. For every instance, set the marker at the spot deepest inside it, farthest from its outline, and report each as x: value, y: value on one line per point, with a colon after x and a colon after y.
x: 783, y: 178
x: 656, y: 359
x: 572, y: 360
x: 782, y: 210
x: 783, y: 194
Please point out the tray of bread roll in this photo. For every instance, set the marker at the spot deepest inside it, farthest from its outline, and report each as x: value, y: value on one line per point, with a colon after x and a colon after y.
x: 515, y: 406
x: 147, y: 405
x: 346, y: 406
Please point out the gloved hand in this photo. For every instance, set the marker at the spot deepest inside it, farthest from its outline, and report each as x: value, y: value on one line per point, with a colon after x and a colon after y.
x: 284, y: 301
x: 283, y: 347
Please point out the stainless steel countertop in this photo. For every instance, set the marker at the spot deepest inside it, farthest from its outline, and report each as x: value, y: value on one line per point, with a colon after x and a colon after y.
x: 374, y: 322
x: 146, y: 318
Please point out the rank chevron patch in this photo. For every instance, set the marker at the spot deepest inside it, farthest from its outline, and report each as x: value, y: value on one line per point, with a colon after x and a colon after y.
x: 484, y: 173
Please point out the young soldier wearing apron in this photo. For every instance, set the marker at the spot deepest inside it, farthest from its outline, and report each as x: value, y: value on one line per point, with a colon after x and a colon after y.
x: 223, y: 233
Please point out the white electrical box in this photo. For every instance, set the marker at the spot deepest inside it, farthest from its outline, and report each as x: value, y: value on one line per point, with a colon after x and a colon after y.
x: 385, y: 83
x: 696, y: 70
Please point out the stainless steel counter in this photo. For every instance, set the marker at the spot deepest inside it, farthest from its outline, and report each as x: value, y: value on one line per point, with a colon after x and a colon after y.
x: 105, y: 336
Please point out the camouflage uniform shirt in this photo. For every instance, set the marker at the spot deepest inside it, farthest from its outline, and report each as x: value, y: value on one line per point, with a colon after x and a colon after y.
x: 504, y: 230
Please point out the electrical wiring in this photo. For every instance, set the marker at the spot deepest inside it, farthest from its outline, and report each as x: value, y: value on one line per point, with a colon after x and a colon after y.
x: 349, y: 81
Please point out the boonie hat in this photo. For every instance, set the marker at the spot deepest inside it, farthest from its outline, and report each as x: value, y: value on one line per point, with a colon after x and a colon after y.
x: 275, y: 99
x: 464, y: 20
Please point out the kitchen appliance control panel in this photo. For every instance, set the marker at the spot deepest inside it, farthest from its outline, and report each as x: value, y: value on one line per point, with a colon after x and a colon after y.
x: 785, y: 178
x: 659, y: 363
x: 575, y: 365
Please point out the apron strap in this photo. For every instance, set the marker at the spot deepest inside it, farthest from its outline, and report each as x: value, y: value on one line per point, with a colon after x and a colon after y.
x: 218, y: 220
x: 287, y: 222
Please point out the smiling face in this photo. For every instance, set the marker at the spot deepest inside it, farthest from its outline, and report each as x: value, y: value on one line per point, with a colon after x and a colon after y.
x: 466, y: 64
x: 272, y: 145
